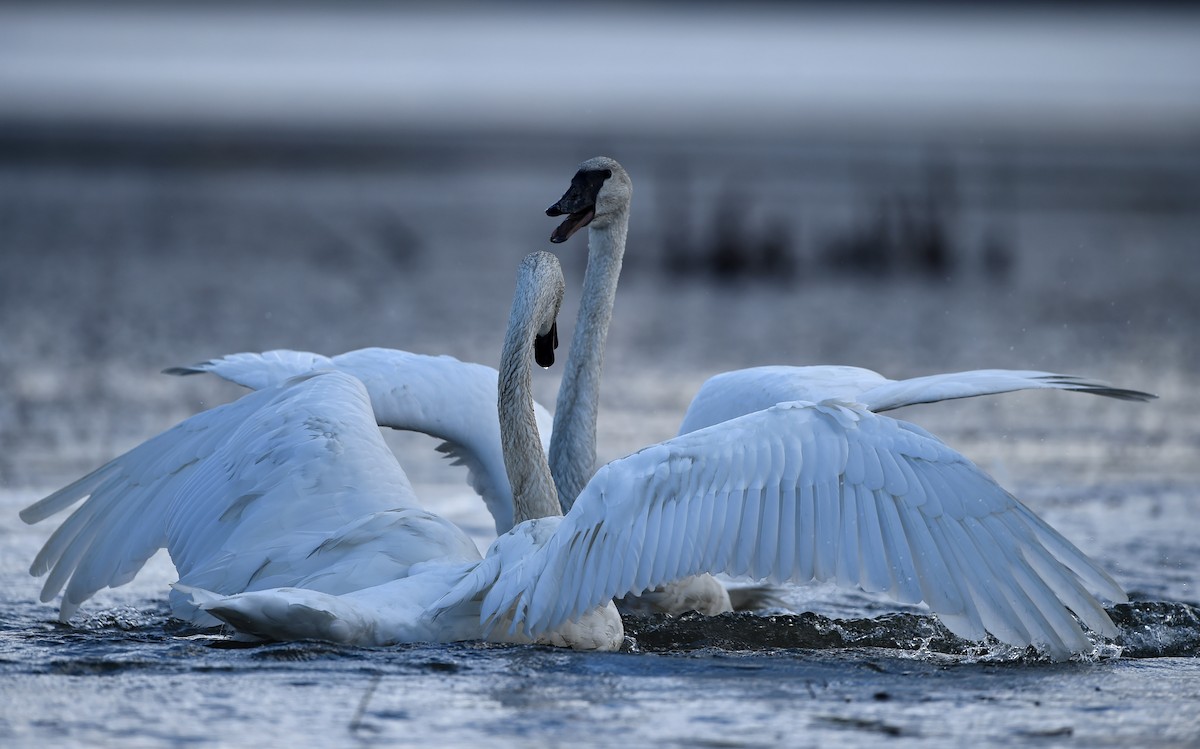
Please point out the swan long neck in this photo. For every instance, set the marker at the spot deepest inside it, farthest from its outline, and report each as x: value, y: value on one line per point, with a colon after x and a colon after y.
x: 573, y: 441
x: 533, y: 490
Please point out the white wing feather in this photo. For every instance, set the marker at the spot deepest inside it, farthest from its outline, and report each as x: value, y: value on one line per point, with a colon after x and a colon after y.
x: 742, y: 391
x: 123, y: 516
x: 451, y: 400
x: 275, y: 489
x: 802, y: 491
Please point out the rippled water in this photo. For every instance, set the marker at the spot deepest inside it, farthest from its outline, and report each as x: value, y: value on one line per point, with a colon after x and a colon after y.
x: 111, y: 273
x: 131, y: 677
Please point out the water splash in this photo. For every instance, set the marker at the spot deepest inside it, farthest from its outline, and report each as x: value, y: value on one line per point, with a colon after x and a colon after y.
x: 1158, y: 629
x: 1152, y: 629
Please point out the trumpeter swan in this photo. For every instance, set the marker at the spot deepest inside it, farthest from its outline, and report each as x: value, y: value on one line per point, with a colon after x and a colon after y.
x: 599, y: 198
x: 290, y: 497
x: 410, y: 391
x: 451, y: 400
x: 797, y: 491
x: 445, y: 398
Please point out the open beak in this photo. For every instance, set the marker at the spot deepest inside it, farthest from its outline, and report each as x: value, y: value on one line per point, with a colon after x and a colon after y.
x: 578, y: 203
x: 575, y: 221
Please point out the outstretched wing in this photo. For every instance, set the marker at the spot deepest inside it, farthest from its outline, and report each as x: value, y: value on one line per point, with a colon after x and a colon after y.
x: 742, y: 391
x: 230, y: 492
x: 441, y: 396
x: 803, y: 492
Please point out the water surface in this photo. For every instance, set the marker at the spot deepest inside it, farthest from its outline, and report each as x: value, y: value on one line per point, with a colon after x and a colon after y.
x: 113, y: 270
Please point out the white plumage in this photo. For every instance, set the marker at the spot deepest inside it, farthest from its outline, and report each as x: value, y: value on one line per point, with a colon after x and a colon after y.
x: 451, y: 400
x: 443, y: 397
x: 742, y: 391
x: 804, y: 491
x: 292, y: 485
x: 288, y: 517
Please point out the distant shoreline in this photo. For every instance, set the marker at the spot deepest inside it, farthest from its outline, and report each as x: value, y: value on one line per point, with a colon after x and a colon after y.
x: 207, y: 146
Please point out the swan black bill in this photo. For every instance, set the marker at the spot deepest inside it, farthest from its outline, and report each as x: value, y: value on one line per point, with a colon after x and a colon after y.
x: 578, y: 203
x: 543, y: 347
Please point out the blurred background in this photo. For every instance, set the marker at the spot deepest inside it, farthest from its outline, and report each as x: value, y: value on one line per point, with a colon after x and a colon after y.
x: 913, y: 189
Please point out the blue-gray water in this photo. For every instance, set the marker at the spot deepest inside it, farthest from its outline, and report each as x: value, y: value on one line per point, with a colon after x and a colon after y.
x: 145, y: 686
x: 117, y: 265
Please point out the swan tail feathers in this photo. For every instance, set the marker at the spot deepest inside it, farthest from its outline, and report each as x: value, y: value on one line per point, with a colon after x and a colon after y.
x: 288, y: 614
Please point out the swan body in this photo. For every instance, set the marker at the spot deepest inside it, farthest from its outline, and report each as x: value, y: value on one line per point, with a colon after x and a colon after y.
x: 288, y: 517
x: 410, y: 609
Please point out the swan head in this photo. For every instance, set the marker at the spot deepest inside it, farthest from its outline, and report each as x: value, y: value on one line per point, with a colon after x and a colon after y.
x: 540, y: 289
x: 599, y: 192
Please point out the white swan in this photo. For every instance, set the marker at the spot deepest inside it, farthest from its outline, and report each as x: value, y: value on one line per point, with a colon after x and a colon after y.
x: 453, y: 400
x: 599, y: 197
x: 291, y: 491
x: 409, y: 391
x: 445, y: 398
x: 797, y: 491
